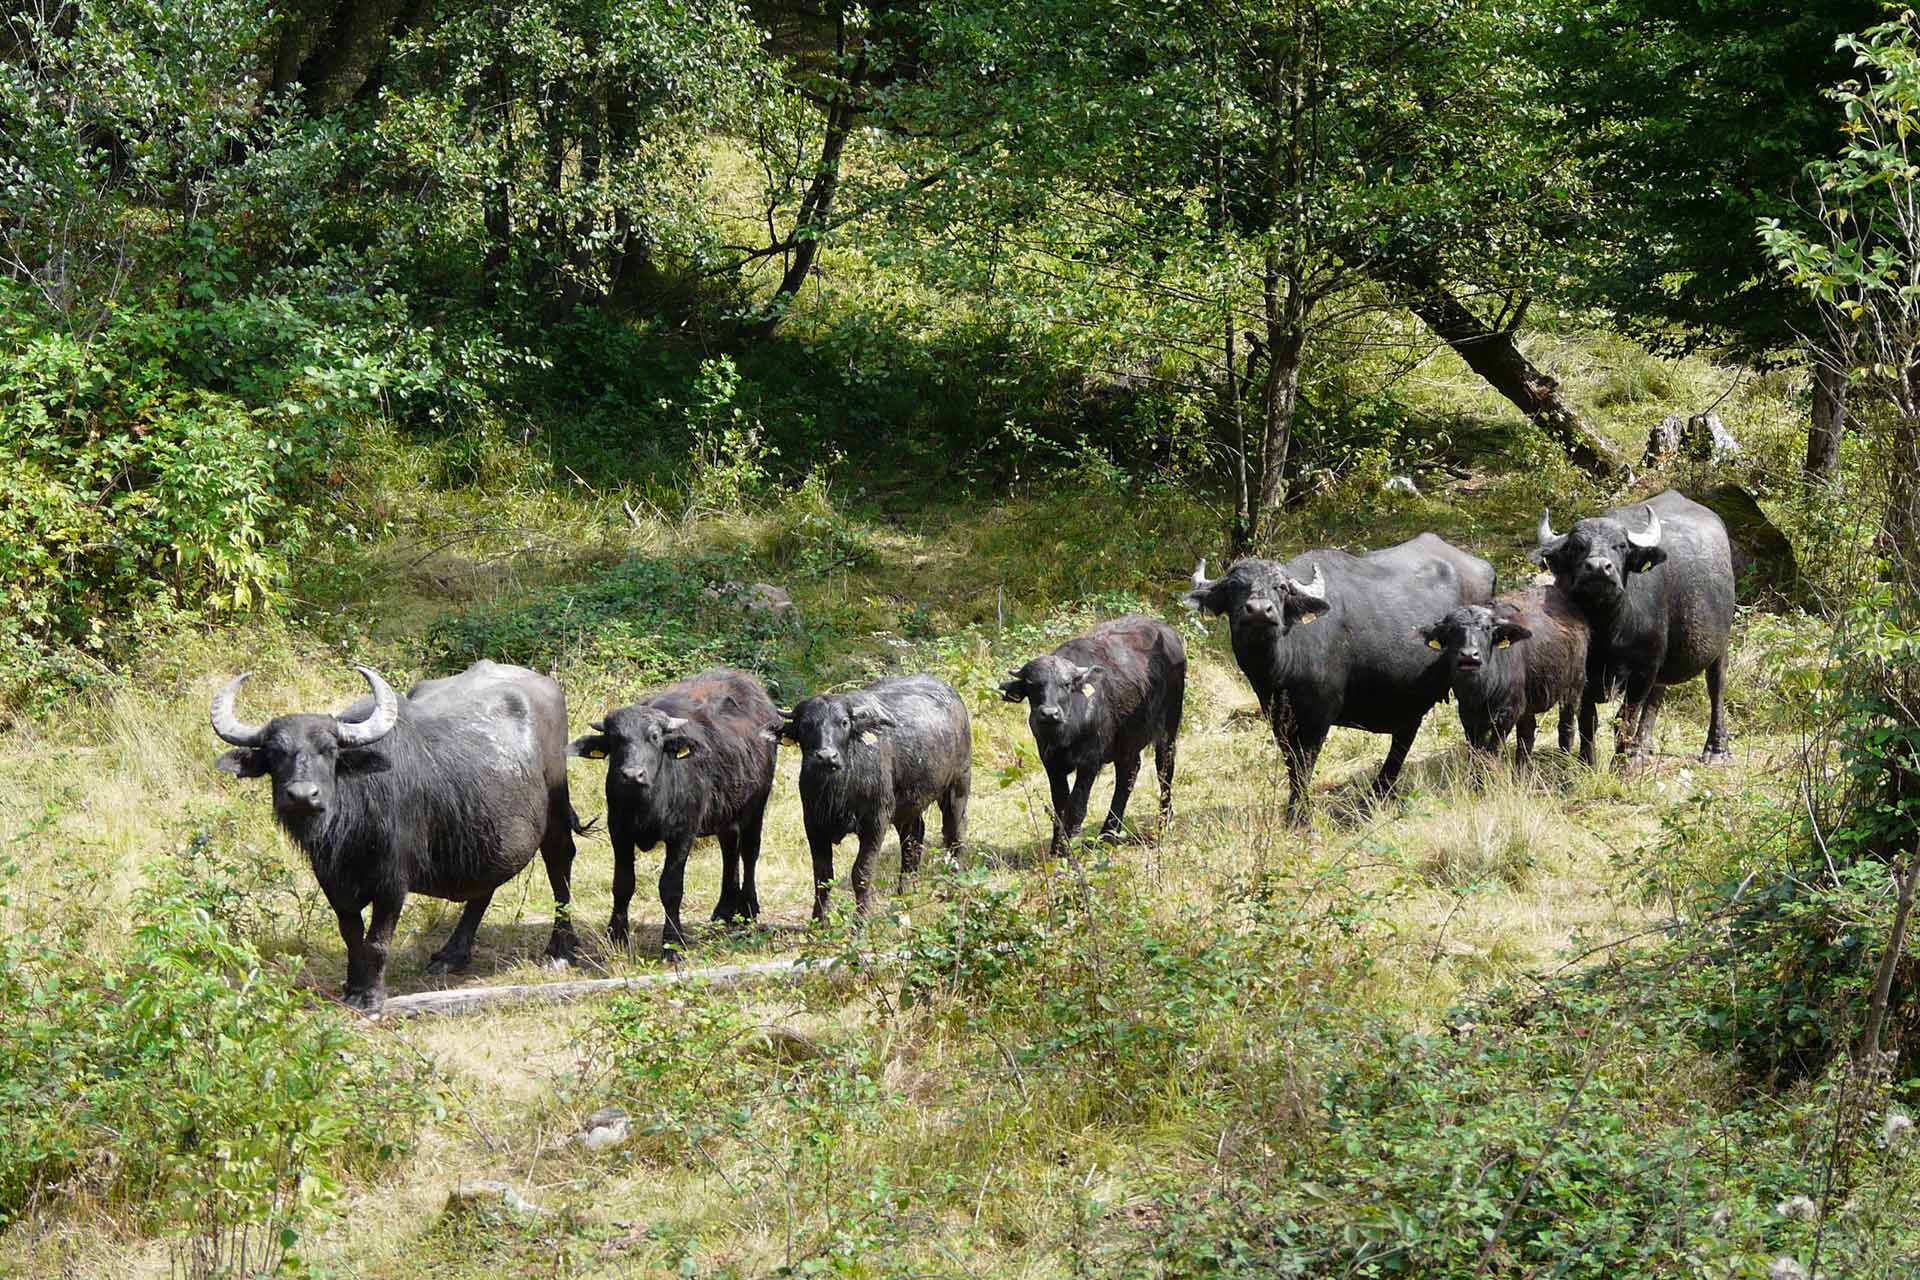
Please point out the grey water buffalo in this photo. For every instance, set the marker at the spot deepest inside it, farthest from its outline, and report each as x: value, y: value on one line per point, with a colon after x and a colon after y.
x: 1655, y: 583
x: 1331, y: 639
x: 875, y: 758
x: 1515, y: 660
x: 447, y: 792
x: 692, y: 760
x: 1100, y: 699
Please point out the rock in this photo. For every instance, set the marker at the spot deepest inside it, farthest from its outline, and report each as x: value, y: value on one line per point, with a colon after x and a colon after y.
x: 1401, y: 484
x: 1663, y: 442
x: 607, y: 1127
x: 758, y: 598
x: 1764, y: 568
x: 487, y: 1195
x: 1707, y: 439
x: 783, y: 1044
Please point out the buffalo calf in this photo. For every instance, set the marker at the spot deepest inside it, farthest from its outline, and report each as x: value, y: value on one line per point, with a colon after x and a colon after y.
x: 447, y: 792
x: 692, y: 760
x: 1099, y: 699
x: 875, y: 758
x: 1512, y: 661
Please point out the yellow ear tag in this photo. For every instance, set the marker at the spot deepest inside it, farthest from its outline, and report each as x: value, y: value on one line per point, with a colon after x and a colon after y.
x: 1086, y: 690
x: 1306, y: 619
x: 1504, y: 644
x: 683, y: 753
x: 869, y: 737
x: 596, y: 755
x: 1435, y: 644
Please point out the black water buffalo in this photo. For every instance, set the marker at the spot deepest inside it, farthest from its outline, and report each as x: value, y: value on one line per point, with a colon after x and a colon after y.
x: 1334, y: 639
x: 875, y: 758
x: 447, y: 792
x: 1100, y: 699
x: 692, y: 760
x: 1655, y: 583
x: 1514, y: 660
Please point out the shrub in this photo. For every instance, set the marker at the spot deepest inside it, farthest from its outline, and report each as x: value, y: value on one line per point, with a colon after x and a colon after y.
x: 184, y: 1081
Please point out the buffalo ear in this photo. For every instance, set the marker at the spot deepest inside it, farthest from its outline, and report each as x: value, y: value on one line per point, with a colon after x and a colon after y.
x: 1014, y: 690
x: 780, y: 731
x: 872, y: 715
x: 592, y: 747
x: 1432, y: 635
x: 362, y: 760
x: 1506, y: 633
x: 1304, y: 609
x: 1641, y: 559
x: 677, y: 745
x: 242, y: 762
x: 1210, y: 599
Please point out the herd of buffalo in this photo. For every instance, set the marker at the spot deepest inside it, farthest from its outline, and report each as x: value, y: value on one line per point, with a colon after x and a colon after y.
x: 448, y: 790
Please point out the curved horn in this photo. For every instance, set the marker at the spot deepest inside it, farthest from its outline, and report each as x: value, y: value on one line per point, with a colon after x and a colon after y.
x: 1317, y: 586
x: 598, y: 726
x: 386, y: 714
x: 226, y: 725
x: 1650, y: 536
x: 1546, y: 533
x: 673, y: 724
x: 1200, y: 574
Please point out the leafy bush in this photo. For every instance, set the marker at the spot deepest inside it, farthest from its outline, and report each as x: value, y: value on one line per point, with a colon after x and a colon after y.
x: 184, y: 1080
x: 653, y: 616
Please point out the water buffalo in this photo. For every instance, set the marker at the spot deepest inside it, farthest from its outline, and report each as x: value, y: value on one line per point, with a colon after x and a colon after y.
x: 875, y: 758
x: 1513, y: 660
x: 1334, y: 639
x: 692, y: 760
x: 447, y: 792
x: 1100, y: 699
x: 1656, y: 587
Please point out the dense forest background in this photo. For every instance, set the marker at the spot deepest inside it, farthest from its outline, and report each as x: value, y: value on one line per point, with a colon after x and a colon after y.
x: 418, y: 331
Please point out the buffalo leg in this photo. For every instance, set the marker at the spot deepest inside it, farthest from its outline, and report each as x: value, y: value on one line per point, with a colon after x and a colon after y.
x: 1589, y: 730
x: 1126, y: 768
x: 821, y: 845
x: 622, y: 887
x: 953, y: 815
x: 1396, y: 759
x: 1082, y: 792
x: 728, y: 908
x: 1163, y: 756
x: 673, y: 888
x: 557, y: 851
x: 1716, y: 751
x: 870, y: 838
x: 458, y: 952
x: 913, y: 842
x: 1633, y: 727
x: 372, y: 992
x: 1567, y: 713
x: 1060, y: 782
x: 1523, y: 731
x: 353, y: 933
x: 751, y: 824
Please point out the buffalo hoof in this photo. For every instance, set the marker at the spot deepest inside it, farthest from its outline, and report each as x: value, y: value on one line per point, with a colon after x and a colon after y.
x: 561, y: 948
x: 442, y: 963
x: 367, y: 1002
x: 1716, y: 755
x: 617, y: 931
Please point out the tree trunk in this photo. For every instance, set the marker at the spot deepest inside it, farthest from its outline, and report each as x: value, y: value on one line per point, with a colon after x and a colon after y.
x: 349, y: 50
x: 1829, y: 420
x: 1280, y: 392
x: 815, y: 218
x: 1493, y: 355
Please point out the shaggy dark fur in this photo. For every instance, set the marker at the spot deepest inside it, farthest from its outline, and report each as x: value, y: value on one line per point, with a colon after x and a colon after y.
x: 1101, y: 699
x: 691, y: 760
x: 1660, y: 610
x: 875, y: 758
x: 452, y: 803
x: 1334, y: 639
x: 1514, y: 660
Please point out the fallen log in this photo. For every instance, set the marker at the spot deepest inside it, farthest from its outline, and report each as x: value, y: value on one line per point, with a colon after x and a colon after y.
x: 467, y: 999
